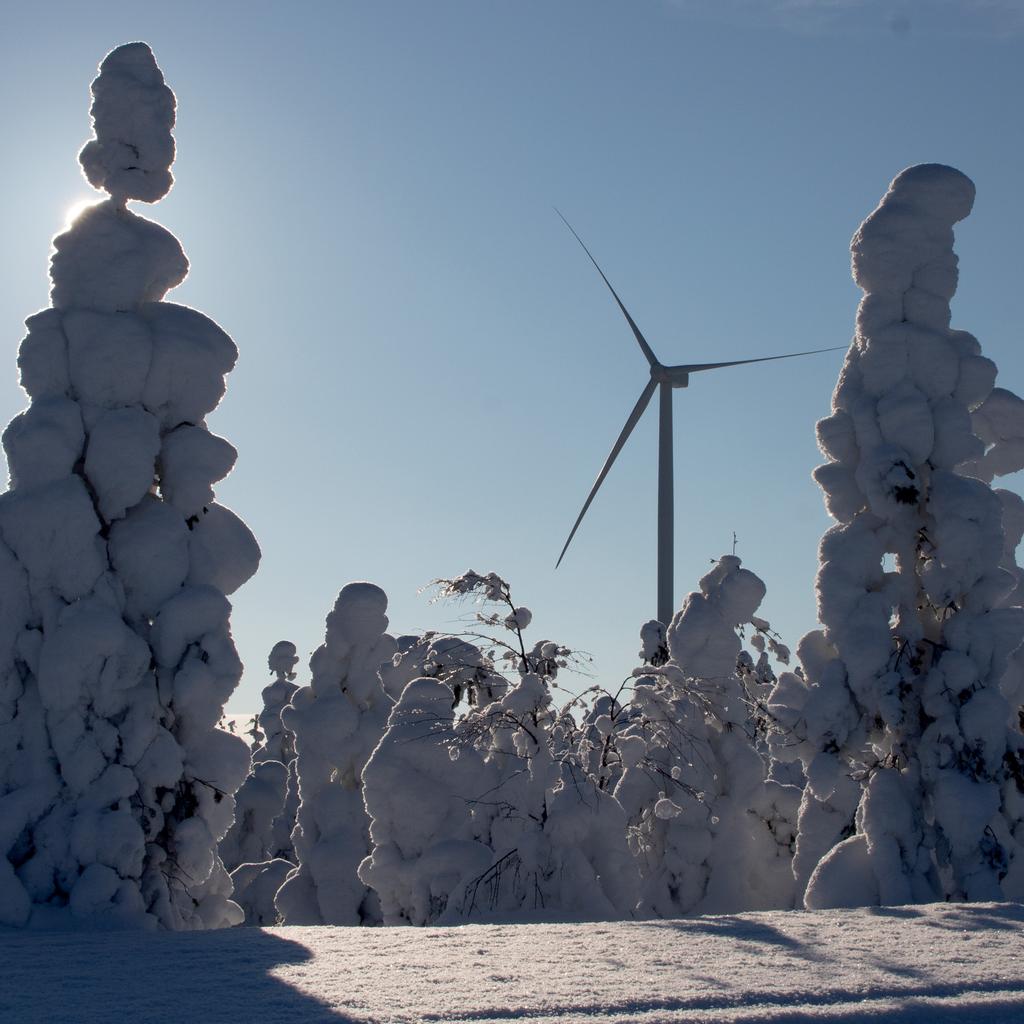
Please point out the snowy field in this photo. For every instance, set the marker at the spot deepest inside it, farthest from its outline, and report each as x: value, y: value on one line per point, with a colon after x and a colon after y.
x: 928, y: 963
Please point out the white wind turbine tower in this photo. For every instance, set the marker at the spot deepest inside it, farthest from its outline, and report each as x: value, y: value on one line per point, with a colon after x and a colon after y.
x: 665, y: 379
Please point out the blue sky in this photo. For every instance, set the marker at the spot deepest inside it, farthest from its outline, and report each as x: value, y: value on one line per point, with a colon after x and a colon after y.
x: 431, y: 372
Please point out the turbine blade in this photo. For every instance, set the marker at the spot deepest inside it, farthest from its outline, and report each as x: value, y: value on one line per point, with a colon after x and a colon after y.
x: 634, y: 417
x: 697, y: 367
x: 641, y: 340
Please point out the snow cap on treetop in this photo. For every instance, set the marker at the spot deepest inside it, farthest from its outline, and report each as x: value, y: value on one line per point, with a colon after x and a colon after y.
x: 133, y: 114
x: 912, y: 227
x: 359, y: 612
x: 283, y: 658
x: 942, y: 192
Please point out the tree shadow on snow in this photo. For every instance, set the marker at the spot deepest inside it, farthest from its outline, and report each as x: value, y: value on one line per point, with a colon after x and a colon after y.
x: 902, y: 913
x: 960, y: 916
x: 1008, y: 1008
x: 175, y: 978
x: 740, y: 929
x: 997, y: 916
x: 1004, y: 1005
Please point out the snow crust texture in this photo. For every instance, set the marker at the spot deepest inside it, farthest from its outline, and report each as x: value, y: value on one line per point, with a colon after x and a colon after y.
x: 116, y: 657
x: 909, y: 965
x: 906, y: 716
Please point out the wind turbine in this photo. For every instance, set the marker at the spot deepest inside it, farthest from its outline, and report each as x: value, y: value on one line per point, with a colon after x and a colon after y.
x: 664, y: 379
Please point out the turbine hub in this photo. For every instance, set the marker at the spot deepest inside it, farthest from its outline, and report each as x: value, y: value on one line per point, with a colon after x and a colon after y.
x: 675, y: 376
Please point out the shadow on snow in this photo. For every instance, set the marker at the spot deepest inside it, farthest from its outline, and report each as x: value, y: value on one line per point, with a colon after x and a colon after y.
x: 130, y: 977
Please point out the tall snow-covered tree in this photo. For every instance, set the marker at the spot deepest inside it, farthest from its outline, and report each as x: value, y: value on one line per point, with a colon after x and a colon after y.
x: 116, y: 657
x: 909, y: 743
x: 337, y: 721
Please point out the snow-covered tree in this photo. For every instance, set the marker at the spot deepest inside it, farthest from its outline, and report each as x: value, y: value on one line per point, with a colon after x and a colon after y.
x: 337, y: 721
x: 262, y: 828
x: 910, y: 747
x: 711, y: 831
x: 417, y: 785
x: 258, y: 803
x: 116, y: 657
x: 256, y: 887
x: 559, y: 839
x: 281, y: 845
x: 280, y: 745
x: 278, y: 742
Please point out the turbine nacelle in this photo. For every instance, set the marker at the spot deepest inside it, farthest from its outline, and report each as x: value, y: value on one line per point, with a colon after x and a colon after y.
x: 674, y: 376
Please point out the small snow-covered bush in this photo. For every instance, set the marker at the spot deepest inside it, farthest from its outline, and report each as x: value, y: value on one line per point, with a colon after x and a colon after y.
x: 116, y: 657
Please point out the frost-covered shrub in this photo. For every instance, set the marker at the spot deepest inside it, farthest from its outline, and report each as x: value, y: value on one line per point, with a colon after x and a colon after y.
x: 559, y: 839
x: 908, y: 742
x: 337, y: 721
x: 490, y: 813
x: 455, y: 660
x: 711, y: 831
x: 116, y: 657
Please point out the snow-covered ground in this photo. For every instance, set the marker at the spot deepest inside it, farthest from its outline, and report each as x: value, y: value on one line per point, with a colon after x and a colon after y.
x: 939, y: 963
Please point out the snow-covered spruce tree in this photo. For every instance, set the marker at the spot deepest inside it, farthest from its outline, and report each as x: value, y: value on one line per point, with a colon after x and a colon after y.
x: 711, y: 832
x: 278, y: 741
x: 280, y: 744
x: 260, y: 802
x: 902, y: 713
x: 427, y: 845
x: 281, y: 846
x: 337, y: 721
x: 116, y: 657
